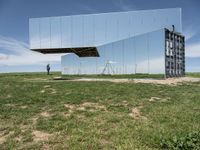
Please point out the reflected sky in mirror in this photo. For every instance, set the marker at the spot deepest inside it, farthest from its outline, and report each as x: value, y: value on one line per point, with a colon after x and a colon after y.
x: 139, y: 54
x: 99, y: 29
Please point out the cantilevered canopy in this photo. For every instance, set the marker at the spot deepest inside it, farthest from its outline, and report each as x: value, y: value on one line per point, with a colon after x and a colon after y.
x: 80, y: 51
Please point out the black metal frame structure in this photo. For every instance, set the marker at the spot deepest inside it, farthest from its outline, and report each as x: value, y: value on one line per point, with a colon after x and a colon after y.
x: 174, y: 54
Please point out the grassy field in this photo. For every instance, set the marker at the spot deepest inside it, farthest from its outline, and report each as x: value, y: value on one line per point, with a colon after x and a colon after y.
x: 125, y: 76
x: 197, y: 75
x: 37, y: 112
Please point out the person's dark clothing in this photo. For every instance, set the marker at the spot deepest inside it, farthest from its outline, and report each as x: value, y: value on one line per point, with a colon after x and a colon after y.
x: 48, y: 69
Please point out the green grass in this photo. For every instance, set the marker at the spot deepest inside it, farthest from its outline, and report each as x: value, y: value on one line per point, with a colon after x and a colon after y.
x: 197, y: 74
x: 33, y: 102
x: 123, y: 76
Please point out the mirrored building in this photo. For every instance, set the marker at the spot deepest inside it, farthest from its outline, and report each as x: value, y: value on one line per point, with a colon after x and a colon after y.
x: 147, y: 41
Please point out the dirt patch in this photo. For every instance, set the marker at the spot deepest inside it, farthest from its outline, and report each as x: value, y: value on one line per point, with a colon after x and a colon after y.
x: 105, y: 142
x: 35, y: 79
x: 48, y: 90
x: 42, y: 91
x: 23, y: 107
x: 124, y: 103
x: 80, y: 116
x: 16, y: 106
x: 168, y: 81
x: 70, y: 107
x: 83, y: 107
x: 96, y: 106
x: 119, y: 104
x: 4, y: 136
x: 10, y: 105
x: 47, y: 86
x: 18, y: 139
x: 45, y: 146
x: 154, y: 99
x: 34, y: 120
x: 40, y: 136
x: 136, y: 113
x: 66, y: 114
x: 24, y: 127
x: 45, y: 114
x: 53, y: 91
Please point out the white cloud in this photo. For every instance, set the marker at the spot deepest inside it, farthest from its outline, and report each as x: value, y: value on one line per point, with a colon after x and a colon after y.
x: 112, y: 62
x: 193, y: 50
x: 87, y: 8
x: 189, y: 33
x: 18, y: 53
x: 123, y: 5
x: 156, y: 65
x: 12, y: 45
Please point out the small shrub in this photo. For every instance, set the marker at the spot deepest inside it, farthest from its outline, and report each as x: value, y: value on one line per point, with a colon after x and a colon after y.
x: 190, y: 141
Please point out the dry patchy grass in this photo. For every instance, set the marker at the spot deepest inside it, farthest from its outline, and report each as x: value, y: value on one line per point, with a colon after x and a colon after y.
x: 39, y: 113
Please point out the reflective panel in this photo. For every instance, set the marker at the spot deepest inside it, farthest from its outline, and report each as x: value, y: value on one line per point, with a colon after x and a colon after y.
x: 139, y: 54
x: 89, y: 34
x: 66, y: 31
x: 70, y: 63
x: 45, y: 33
x: 118, y: 58
x: 127, y: 42
x: 100, y: 29
x: 124, y: 25
x: 77, y: 31
x: 129, y: 56
x: 112, y: 25
x: 109, y: 63
x: 156, y: 52
x: 141, y: 47
x: 55, y: 32
x: 34, y: 33
x: 101, y: 61
x: 88, y: 65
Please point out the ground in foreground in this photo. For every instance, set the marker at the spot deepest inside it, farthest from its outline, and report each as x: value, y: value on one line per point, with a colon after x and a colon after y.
x: 39, y: 113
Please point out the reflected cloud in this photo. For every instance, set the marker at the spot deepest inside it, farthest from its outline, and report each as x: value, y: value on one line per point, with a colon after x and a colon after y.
x: 189, y: 33
x: 155, y: 65
x: 87, y: 8
x: 18, y: 53
x: 193, y: 50
x: 123, y: 6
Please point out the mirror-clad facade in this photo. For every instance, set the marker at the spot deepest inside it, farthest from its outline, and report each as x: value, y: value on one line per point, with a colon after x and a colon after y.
x: 125, y: 42
x: 139, y: 54
x: 98, y: 29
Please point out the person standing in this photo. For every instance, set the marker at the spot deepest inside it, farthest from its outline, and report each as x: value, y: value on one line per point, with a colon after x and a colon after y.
x: 48, y: 69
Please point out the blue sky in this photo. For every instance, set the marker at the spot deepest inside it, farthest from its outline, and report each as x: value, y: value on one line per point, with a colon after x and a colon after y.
x: 14, y: 16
